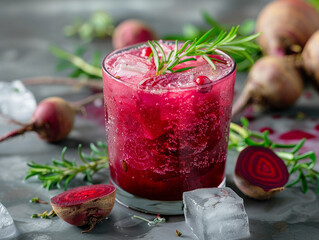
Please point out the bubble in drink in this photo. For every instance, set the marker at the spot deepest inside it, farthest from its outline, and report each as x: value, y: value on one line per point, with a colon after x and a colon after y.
x: 215, y: 213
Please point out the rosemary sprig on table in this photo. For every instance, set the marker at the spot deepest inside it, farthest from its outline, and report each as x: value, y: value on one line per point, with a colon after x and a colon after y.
x: 303, y: 164
x: 64, y: 170
x: 205, y: 46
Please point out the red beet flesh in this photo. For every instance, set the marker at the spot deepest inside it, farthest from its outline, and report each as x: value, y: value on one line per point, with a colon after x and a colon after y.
x: 260, y: 173
x: 85, y: 205
x: 296, y: 135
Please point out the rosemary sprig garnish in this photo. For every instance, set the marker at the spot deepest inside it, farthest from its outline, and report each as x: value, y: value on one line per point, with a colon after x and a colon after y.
x: 64, y: 170
x: 206, y: 45
x: 247, y: 27
x: 303, y: 164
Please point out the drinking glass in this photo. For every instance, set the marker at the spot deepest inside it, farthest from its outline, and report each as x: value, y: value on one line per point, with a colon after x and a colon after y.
x: 164, y: 141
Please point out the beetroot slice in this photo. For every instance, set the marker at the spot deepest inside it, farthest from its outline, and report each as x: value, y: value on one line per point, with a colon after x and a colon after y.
x: 261, y: 167
x: 79, y: 195
x: 85, y: 205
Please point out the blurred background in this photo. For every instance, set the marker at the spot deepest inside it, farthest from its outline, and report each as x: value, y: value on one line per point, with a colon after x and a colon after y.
x: 29, y: 27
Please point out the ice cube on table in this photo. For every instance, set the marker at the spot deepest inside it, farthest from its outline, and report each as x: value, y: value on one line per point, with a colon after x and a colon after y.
x: 215, y: 213
x: 16, y: 101
x: 7, y: 227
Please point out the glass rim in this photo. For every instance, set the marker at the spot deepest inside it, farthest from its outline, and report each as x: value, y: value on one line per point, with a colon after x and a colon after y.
x: 165, y: 89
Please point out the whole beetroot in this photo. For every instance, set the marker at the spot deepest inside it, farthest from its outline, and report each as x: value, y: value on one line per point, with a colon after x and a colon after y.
x: 286, y: 25
x: 131, y: 32
x: 52, y: 120
x: 273, y: 82
x: 310, y: 58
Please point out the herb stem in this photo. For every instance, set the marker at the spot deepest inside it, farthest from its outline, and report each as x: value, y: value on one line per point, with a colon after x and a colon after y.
x: 240, y: 130
x: 77, y: 61
x: 285, y: 156
x: 66, y: 170
x: 76, y: 170
x: 141, y: 218
x: 155, y: 221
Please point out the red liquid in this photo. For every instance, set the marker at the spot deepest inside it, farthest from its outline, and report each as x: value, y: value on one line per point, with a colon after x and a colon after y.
x: 164, y: 142
x: 296, y: 135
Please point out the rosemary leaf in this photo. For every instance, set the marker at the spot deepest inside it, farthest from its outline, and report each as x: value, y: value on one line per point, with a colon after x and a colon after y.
x: 64, y: 171
x: 208, y: 43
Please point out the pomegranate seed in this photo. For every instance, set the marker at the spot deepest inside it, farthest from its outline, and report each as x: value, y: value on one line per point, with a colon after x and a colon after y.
x: 201, y: 80
x: 146, y: 52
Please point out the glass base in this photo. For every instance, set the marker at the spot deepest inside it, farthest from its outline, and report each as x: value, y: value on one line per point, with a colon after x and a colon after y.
x: 151, y: 206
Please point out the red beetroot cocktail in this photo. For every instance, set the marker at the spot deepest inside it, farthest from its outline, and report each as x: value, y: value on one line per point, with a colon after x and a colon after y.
x: 166, y: 133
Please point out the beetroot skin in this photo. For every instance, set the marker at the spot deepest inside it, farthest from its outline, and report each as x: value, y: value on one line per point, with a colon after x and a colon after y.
x: 286, y: 25
x: 273, y: 82
x: 131, y: 32
x: 53, y: 119
x: 85, y: 205
x: 310, y: 57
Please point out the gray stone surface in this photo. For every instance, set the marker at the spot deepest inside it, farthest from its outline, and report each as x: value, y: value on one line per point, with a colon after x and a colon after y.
x: 29, y: 27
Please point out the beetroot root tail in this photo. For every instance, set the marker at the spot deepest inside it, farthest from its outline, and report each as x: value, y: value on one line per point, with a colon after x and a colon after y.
x: 241, y: 103
x: 17, y: 132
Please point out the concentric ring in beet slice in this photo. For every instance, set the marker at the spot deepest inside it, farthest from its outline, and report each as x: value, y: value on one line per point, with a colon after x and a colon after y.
x: 261, y: 167
x: 84, y: 205
x: 79, y: 195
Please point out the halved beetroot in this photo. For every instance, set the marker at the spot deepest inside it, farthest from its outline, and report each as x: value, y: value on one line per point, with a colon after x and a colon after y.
x: 84, y: 205
x: 260, y: 173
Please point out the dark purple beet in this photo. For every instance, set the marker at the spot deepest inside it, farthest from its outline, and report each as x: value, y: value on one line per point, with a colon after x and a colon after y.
x: 260, y: 173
